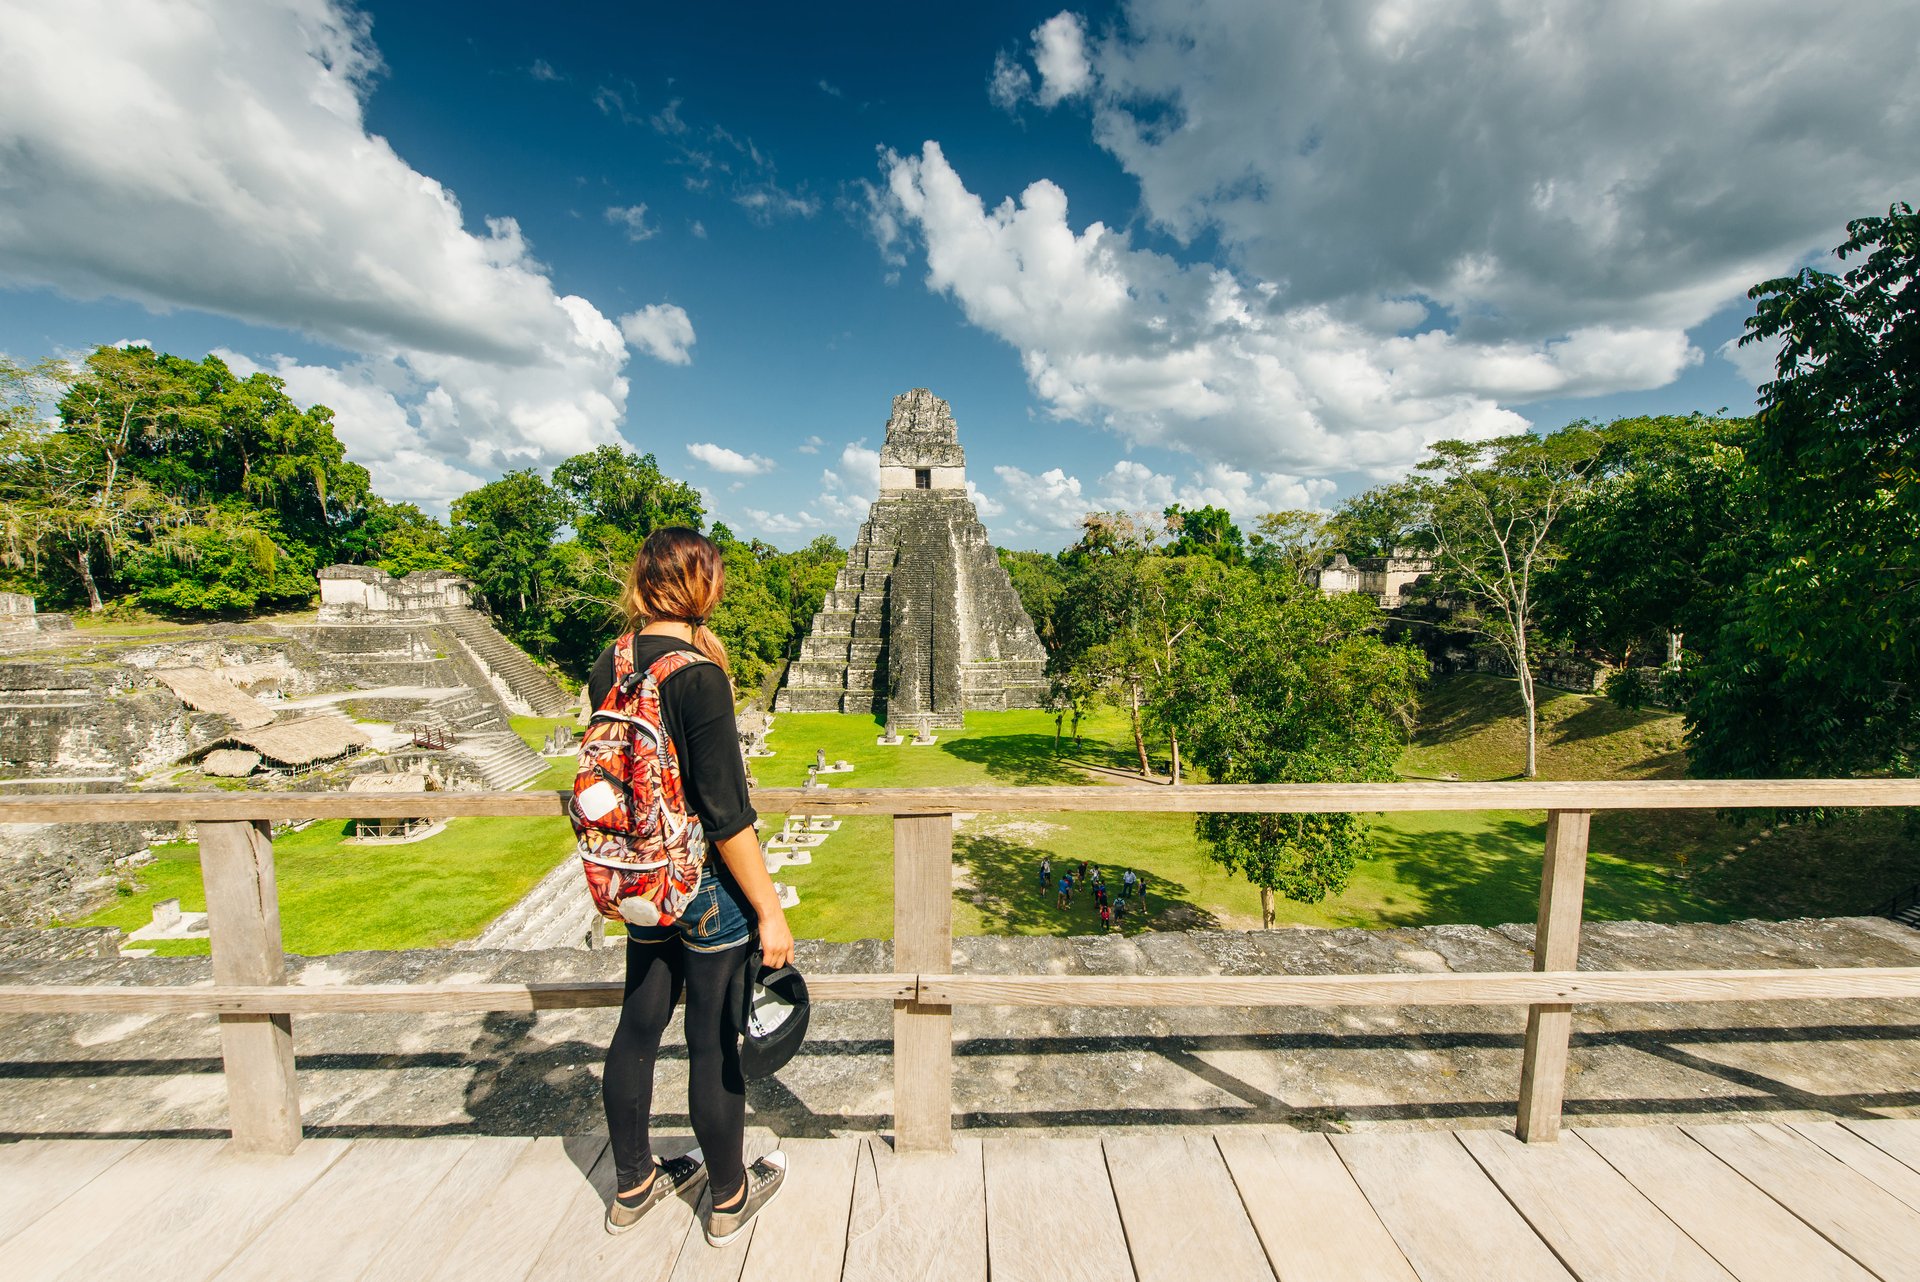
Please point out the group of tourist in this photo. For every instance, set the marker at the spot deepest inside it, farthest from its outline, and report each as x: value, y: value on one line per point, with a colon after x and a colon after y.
x: 1109, y: 909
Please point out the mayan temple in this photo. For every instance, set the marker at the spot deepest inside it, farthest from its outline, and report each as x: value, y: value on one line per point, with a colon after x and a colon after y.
x: 923, y: 624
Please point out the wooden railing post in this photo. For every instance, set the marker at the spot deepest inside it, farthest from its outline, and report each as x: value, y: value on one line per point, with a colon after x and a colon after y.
x: 243, y: 914
x: 922, y: 944
x: 1556, y: 946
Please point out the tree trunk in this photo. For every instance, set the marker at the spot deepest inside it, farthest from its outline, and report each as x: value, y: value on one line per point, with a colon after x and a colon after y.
x: 1173, y: 745
x: 81, y: 561
x: 1673, y: 649
x: 1533, y: 728
x: 1076, y: 728
x: 1266, y: 908
x: 1139, y: 737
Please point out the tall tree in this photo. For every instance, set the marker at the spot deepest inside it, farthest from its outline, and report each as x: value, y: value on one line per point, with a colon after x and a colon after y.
x: 1291, y: 542
x: 1816, y: 665
x: 1489, y: 512
x: 1203, y: 531
x: 1285, y: 685
x: 504, y: 533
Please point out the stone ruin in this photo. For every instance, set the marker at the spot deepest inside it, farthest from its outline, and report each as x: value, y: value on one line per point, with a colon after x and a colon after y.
x: 395, y: 675
x: 922, y: 624
x: 1384, y: 578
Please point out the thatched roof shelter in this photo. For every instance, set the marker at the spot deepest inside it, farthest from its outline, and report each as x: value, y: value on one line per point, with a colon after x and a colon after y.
x: 211, y: 692
x: 302, y: 741
x: 230, y: 763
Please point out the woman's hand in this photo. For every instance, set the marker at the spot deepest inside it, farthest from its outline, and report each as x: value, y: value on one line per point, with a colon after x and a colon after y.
x: 776, y: 939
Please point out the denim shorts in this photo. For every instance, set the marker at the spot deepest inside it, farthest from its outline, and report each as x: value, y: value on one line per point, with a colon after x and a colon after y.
x: 715, y: 921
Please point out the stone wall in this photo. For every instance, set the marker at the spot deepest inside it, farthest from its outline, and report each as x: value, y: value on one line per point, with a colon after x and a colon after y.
x: 1048, y: 1069
x: 351, y: 592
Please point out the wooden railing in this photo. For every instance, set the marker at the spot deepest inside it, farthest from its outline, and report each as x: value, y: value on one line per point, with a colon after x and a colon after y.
x: 255, y: 1005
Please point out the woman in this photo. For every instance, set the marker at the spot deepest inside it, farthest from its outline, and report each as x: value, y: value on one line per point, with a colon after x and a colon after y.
x: 671, y: 592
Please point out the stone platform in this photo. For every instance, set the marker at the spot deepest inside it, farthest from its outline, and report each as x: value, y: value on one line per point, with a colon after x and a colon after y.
x: 1030, y: 1069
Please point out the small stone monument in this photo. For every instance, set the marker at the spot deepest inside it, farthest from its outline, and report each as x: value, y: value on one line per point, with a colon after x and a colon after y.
x: 924, y: 735
x: 819, y: 758
x: 891, y: 739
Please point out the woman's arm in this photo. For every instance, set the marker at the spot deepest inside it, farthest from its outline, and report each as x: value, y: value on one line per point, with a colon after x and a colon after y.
x: 741, y: 854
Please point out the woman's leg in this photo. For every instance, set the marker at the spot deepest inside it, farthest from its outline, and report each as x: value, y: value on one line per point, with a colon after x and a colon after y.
x: 716, y: 1090
x: 652, y: 988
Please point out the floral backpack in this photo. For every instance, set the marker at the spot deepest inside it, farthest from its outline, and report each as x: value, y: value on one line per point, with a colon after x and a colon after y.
x: 640, y: 846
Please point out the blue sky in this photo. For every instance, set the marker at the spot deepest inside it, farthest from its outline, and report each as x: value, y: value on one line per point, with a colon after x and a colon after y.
x: 1256, y: 255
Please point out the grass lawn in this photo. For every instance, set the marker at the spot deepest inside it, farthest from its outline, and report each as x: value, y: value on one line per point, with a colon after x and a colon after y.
x: 1466, y: 867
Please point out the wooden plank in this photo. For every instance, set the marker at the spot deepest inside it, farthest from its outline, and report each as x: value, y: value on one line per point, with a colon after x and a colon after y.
x: 700, y: 1262
x: 1309, y: 798
x: 509, y: 1230
x: 923, y: 940
x: 1890, y: 1173
x: 30, y: 999
x: 1556, y: 947
x: 1181, y: 1211
x: 580, y: 1249
x: 1486, y: 988
x: 341, y: 1224
x: 1593, y: 1219
x: 461, y: 1196
x: 1442, y: 1210
x: 917, y: 1215
x: 243, y: 918
x: 1313, y: 1220
x: 169, y: 1209
x: 1489, y: 988
x: 1845, y: 1207
x: 1751, y: 1235
x: 1051, y: 1216
x: 802, y: 1234
x: 1898, y: 1138
x: 38, y: 1175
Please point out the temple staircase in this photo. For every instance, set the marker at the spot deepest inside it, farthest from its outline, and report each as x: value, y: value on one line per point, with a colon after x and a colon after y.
x: 498, y: 657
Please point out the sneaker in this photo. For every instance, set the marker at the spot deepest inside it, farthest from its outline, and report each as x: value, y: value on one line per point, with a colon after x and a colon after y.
x: 669, y: 1178
x: 764, y: 1179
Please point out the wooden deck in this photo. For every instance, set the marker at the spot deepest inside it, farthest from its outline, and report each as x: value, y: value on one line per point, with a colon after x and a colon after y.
x: 1824, y: 1200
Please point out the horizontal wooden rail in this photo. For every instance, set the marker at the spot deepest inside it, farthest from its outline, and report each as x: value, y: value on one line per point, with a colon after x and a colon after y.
x: 1631, y: 794
x: 331, y: 999
x: 1487, y: 988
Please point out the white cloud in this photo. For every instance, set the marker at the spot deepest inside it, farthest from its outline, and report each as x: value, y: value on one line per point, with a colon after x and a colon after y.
x: 722, y: 459
x: 831, y: 90
x: 1009, y: 84
x: 1755, y: 361
x: 767, y: 201
x: 983, y: 503
x: 1060, y: 55
x: 543, y: 70
x: 633, y: 218
x: 215, y: 156
x: 810, y: 446
x: 699, y: 230
x: 662, y: 331
x: 1050, y: 506
x: 1414, y: 218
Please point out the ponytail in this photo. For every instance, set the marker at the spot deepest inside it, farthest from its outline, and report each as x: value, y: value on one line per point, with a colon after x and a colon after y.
x: 678, y: 576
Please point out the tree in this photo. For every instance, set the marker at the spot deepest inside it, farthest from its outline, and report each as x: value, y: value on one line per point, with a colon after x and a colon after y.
x: 1292, y: 542
x: 398, y: 538
x: 503, y: 534
x: 1373, y: 522
x: 1039, y: 581
x: 1100, y: 645
x: 1653, y: 551
x: 1203, y: 531
x: 1285, y: 685
x: 615, y: 488
x: 1488, y: 511
x: 1816, y: 663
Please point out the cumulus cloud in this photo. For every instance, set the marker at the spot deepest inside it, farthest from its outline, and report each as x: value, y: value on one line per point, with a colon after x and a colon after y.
x: 632, y: 219
x: 215, y: 156
x: 1060, y: 55
x: 1199, y: 358
x: 1755, y: 361
x: 1050, y: 506
x: 810, y: 446
x: 662, y: 331
x: 846, y: 490
x: 1530, y: 168
x: 722, y: 459
x: 1009, y: 84
x: 1409, y: 219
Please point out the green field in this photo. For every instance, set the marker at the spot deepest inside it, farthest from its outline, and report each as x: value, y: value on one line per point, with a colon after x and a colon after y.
x: 1442, y: 867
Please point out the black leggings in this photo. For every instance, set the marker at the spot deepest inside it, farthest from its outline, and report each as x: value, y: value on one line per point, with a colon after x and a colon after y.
x: 716, y: 1091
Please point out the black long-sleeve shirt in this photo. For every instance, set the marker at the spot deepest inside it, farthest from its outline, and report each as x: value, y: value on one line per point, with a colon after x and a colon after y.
x: 696, y: 707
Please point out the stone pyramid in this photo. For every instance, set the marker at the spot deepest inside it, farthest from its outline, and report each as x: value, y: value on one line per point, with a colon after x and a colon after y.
x: 923, y: 623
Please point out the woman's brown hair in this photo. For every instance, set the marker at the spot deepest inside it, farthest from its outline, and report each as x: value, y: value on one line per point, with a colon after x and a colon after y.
x: 678, y: 576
